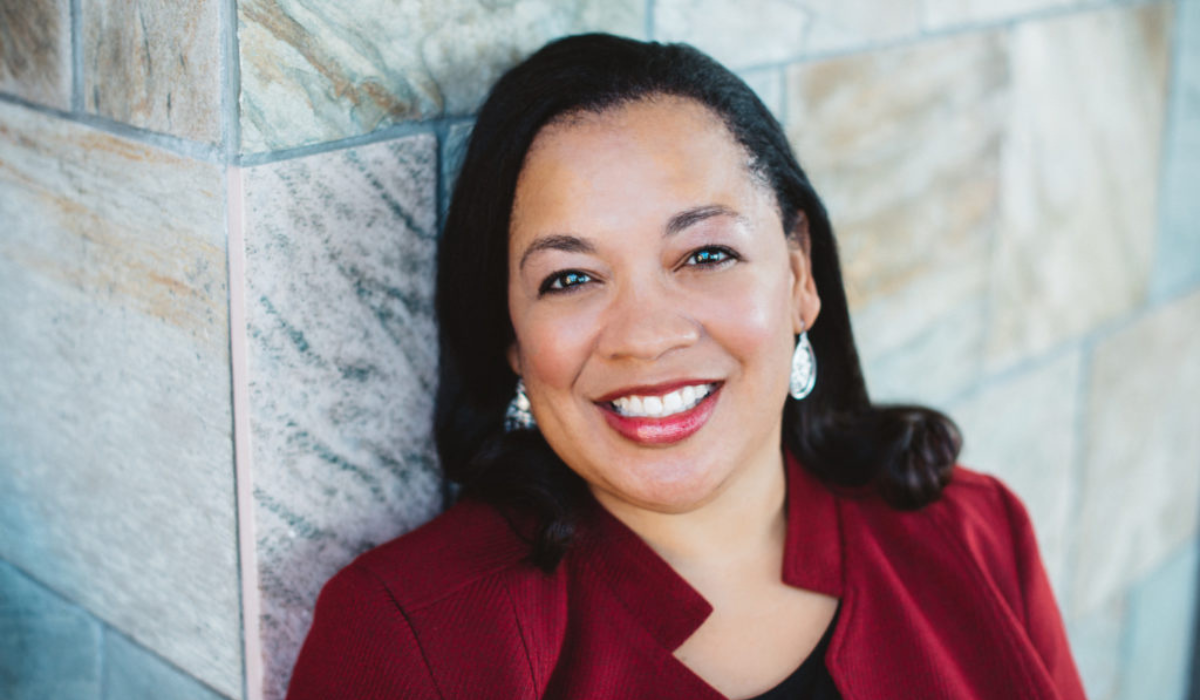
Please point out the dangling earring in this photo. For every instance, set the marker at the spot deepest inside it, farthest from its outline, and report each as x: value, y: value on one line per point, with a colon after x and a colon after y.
x: 518, y: 417
x: 804, y: 369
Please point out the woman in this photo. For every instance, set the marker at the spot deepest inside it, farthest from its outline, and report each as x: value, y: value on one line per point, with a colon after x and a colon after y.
x: 674, y: 484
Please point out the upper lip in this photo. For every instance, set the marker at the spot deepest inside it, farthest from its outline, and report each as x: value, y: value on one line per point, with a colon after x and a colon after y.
x: 661, y: 389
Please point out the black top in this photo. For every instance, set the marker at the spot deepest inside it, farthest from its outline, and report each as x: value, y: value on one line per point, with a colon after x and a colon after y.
x: 811, y: 681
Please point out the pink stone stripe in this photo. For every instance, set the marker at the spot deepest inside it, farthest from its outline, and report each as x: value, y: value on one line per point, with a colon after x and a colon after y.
x: 251, y: 596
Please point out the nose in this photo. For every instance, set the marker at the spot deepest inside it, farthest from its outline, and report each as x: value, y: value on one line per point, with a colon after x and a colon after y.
x: 645, y: 322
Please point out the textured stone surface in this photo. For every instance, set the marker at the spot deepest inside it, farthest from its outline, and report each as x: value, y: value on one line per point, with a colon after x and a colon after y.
x: 154, y: 65
x: 454, y: 150
x: 942, y: 14
x: 838, y: 25
x: 1022, y: 429
x: 116, y: 470
x: 49, y: 648
x: 904, y: 147
x: 342, y: 358
x: 738, y: 34
x: 1162, y: 610
x: 132, y: 673
x: 317, y: 72
x: 1177, y: 266
x: 1079, y: 194
x: 1096, y: 645
x: 35, y: 50
x: 1143, y: 452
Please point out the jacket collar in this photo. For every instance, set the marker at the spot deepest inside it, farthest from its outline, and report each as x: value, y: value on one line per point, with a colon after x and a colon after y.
x: 669, y: 608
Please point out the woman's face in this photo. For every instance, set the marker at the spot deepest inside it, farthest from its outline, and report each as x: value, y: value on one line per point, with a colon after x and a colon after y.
x: 655, y: 301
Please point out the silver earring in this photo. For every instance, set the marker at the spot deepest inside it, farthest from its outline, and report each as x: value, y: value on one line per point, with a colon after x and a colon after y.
x: 804, y: 369
x: 518, y: 417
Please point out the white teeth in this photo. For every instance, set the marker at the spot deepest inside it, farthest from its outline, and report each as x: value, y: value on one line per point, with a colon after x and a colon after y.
x: 661, y: 406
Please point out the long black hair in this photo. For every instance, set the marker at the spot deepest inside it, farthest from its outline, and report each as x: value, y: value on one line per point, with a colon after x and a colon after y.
x: 902, y: 453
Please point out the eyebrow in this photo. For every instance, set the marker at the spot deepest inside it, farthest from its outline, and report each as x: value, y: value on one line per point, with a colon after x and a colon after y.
x: 574, y: 244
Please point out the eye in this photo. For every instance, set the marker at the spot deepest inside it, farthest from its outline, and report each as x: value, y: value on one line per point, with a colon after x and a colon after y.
x: 563, y: 281
x: 711, y: 256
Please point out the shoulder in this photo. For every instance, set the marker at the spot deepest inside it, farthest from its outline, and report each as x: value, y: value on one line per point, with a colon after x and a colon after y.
x: 470, y: 542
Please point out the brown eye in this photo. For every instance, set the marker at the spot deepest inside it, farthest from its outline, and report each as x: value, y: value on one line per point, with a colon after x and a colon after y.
x: 564, y: 281
x: 711, y: 256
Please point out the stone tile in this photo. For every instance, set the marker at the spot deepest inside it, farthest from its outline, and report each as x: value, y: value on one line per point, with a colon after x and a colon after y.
x: 738, y: 34
x: 454, y: 150
x: 1141, y: 480
x: 841, y: 25
x: 1177, y: 265
x: 313, y: 73
x: 1162, y: 615
x: 1097, y: 647
x: 154, y: 65
x: 114, y: 386
x: 1080, y: 176
x: 767, y: 83
x: 943, y: 14
x: 1022, y: 429
x: 904, y: 146
x: 340, y: 251
x: 49, y: 648
x: 133, y: 673
x: 35, y: 51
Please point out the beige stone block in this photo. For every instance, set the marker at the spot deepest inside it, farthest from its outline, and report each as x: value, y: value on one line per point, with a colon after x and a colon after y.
x: 904, y: 147
x: 1023, y: 430
x: 154, y: 65
x: 1080, y: 176
x: 1142, y: 466
x: 35, y: 51
x: 319, y: 72
x: 738, y: 34
x: 117, y: 488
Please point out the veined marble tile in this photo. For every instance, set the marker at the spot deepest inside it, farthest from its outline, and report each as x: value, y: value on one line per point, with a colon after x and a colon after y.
x: 1177, y: 266
x: 340, y: 251
x: 904, y: 147
x: 842, y: 25
x: 738, y: 34
x: 117, y: 488
x: 942, y: 14
x: 1022, y: 429
x: 154, y: 65
x: 35, y: 50
x: 319, y: 72
x: 1141, y: 477
x: 49, y: 648
x: 1080, y: 176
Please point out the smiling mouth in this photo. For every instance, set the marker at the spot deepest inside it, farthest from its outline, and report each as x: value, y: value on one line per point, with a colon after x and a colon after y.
x: 670, y: 404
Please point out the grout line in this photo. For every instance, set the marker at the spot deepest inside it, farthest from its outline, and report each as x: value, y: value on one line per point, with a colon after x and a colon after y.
x: 182, y: 147
x: 1166, y: 157
x: 1077, y: 472
x: 428, y: 126
x: 231, y: 80
x: 441, y: 131
x: 648, y: 22
x: 76, y: 14
x: 242, y: 455
x: 101, y: 658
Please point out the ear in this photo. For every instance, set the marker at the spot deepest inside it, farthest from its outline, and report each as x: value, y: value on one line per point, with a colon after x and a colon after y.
x: 806, y: 305
x: 514, y: 358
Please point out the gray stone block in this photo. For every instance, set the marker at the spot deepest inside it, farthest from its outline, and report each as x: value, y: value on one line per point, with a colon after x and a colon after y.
x: 1140, y: 480
x: 1162, y: 613
x: 1096, y: 644
x: 49, y: 648
x: 154, y: 65
x: 738, y: 34
x: 320, y: 72
x: 133, y: 673
x: 340, y: 251
x: 35, y: 51
x: 1022, y: 429
x: 116, y: 469
x: 904, y: 147
x: 1079, y: 193
x: 1177, y: 265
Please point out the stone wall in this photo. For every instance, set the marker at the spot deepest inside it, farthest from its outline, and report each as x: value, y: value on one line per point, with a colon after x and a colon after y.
x: 218, y: 221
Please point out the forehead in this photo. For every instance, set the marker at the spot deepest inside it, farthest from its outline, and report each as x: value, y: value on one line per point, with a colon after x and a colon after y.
x: 660, y: 153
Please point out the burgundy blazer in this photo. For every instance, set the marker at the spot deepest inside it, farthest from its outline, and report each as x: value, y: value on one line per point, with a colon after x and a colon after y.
x: 950, y: 601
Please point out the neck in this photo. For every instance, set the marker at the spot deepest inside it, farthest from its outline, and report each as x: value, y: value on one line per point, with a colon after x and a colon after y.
x: 745, y: 521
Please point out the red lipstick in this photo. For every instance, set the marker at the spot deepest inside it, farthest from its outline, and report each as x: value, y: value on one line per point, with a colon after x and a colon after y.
x: 660, y: 431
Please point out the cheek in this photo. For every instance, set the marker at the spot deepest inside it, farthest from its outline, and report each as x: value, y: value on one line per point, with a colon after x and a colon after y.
x: 754, y: 321
x: 554, y: 347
